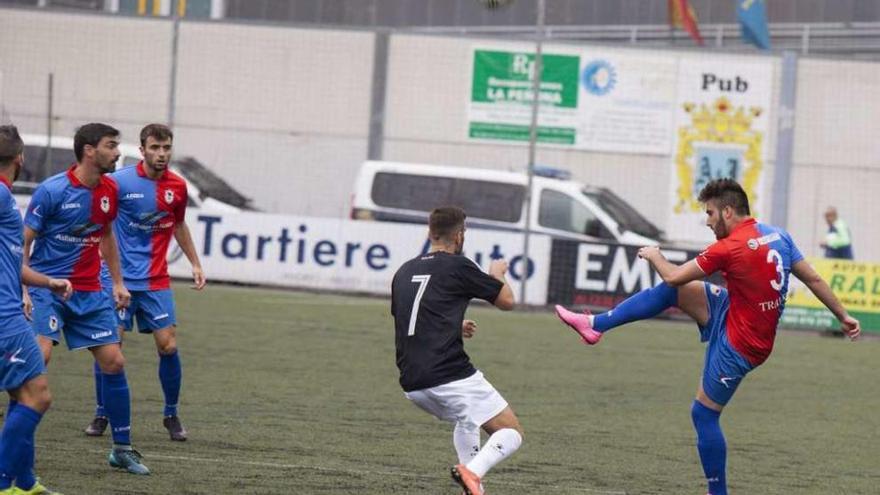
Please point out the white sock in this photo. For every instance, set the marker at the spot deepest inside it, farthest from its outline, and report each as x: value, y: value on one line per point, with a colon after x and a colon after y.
x: 498, y: 447
x: 591, y: 318
x: 466, y: 439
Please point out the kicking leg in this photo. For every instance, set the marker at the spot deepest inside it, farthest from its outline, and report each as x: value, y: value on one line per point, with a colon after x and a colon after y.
x: 691, y: 298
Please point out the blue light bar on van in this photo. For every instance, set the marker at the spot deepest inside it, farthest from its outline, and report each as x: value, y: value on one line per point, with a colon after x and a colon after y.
x: 551, y: 172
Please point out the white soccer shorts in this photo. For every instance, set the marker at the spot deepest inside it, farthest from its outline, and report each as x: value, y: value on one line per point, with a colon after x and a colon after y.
x: 472, y: 400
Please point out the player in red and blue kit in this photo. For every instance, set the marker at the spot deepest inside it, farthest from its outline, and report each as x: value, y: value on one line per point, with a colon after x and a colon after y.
x: 68, y: 223
x: 152, y: 209
x: 739, y: 322
x: 22, y: 372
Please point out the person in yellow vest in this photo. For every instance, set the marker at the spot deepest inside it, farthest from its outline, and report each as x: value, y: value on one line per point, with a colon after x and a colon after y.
x: 838, y: 240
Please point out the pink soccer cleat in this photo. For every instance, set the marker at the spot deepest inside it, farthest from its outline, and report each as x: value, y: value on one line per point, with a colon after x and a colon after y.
x: 469, y: 481
x: 580, y: 323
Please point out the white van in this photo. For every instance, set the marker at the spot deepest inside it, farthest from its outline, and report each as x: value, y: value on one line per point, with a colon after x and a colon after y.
x: 43, y: 160
x: 406, y: 192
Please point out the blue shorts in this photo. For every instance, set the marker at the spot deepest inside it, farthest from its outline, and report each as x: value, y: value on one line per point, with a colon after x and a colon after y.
x: 22, y: 359
x: 87, y: 318
x: 724, y: 368
x: 154, y: 310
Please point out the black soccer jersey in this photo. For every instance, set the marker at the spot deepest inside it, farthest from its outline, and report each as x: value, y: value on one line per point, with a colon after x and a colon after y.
x: 429, y: 295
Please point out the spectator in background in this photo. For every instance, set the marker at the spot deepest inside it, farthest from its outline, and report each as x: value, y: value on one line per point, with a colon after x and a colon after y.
x: 838, y: 240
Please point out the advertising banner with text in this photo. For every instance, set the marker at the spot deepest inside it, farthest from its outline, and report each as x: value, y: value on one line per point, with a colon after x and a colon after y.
x: 340, y: 255
x: 590, y: 99
x: 857, y: 285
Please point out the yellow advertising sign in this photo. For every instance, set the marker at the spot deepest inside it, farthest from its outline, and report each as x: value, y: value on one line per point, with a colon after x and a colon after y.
x: 857, y: 285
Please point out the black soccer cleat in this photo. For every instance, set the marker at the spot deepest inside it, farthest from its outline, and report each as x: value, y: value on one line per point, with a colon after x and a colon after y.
x: 97, y: 427
x: 175, y: 429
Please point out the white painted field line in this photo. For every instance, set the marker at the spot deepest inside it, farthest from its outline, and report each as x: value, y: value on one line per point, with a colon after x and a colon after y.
x: 279, y: 465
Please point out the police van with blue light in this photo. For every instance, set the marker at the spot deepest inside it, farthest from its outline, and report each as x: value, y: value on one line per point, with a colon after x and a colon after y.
x: 495, y: 199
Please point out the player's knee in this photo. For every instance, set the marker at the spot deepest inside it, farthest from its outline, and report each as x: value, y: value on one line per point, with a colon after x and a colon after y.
x: 167, y: 348
x: 113, y: 365
x: 43, y: 400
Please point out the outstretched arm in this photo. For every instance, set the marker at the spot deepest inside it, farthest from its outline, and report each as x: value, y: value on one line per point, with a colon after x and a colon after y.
x: 672, y: 274
x: 805, y: 272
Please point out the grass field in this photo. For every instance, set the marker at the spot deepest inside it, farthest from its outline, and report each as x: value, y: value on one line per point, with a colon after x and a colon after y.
x: 290, y: 392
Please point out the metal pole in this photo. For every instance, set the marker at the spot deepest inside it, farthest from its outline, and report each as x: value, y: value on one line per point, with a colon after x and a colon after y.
x: 47, y: 164
x: 172, y: 84
x: 533, y: 138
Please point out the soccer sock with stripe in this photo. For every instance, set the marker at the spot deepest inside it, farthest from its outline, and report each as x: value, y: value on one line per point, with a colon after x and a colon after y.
x: 466, y: 439
x: 642, y: 305
x: 117, y: 403
x: 712, y: 447
x: 170, y: 374
x: 99, y: 391
x: 17, y: 445
x: 498, y: 447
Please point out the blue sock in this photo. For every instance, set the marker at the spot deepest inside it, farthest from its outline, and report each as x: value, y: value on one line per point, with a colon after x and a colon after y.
x: 99, y: 391
x: 117, y: 403
x: 642, y: 305
x: 17, y: 445
x: 712, y: 447
x: 170, y: 374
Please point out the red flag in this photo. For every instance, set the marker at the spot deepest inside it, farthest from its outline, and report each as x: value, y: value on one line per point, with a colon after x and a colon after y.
x: 682, y: 15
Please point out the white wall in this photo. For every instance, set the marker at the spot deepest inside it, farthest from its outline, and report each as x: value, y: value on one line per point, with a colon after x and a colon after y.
x: 114, y: 70
x: 283, y: 113
x: 837, y: 152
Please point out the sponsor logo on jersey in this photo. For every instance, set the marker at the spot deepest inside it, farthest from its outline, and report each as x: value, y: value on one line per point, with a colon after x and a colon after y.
x: 85, y: 229
x: 133, y: 196
x: 169, y: 196
x: 68, y: 206
x: 105, y: 204
x: 763, y: 240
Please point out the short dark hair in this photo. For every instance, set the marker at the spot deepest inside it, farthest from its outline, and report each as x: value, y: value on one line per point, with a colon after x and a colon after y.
x: 726, y: 192
x: 91, y: 134
x: 159, y: 132
x: 445, y: 221
x: 11, y: 144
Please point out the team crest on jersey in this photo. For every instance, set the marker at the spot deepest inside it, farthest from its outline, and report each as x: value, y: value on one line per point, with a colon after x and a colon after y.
x: 53, y: 323
x: 715, y: 290
x: 752, y: 244
x: 169, y: 196
x: 105, y: 204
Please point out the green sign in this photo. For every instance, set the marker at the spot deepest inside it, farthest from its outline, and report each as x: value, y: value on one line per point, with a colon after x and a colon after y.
x: 502, y: 94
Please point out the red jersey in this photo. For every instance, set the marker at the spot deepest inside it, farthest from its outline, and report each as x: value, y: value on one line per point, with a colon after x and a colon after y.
x: 755, y: 260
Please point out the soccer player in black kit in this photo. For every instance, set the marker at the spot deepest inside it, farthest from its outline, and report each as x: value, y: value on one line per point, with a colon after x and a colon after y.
x: 429, y: 296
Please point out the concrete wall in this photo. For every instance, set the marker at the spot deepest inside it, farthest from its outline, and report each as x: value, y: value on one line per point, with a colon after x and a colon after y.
x: 283, y: 113
x: 280, y: 113
x: 837, y: 153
